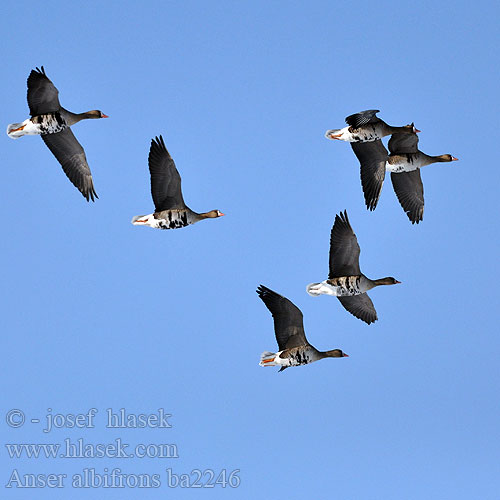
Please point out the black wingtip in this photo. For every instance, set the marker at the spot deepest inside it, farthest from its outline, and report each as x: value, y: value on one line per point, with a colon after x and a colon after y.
x: 88, y: 192
x: 262, y: 290
x: 340, y: 225
x: 341, y: 218
x: 158, y: 144
x: 363, y: 117
x: 91, y: 196
x: 415, y: 216
x: 365, y: 319
x: 266, y: 294
x: 372, y: 196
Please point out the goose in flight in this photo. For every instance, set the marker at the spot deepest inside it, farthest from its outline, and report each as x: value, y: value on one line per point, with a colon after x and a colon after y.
x: 404, y: 163
x: 294, y: 349
x: 50, y: 120
x: 345, y: 280
x: 170, y: 210
x: 366, y: 126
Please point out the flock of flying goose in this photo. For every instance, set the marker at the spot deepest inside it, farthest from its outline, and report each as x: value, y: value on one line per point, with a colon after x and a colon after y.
x: 345, y: 280
x: 365, y: 131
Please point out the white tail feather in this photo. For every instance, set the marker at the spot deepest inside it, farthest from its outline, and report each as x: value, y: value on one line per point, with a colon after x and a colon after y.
x: 136, y: 218
x: 313, y: 289
x: 145, y: 220
x: 267, y: 359
x: 334, y: 131
x: 17, y: 133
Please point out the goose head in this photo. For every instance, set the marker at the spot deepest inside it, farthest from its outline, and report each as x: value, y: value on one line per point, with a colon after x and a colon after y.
x: 412, y: 129
x: 212, y: 214
x: 446, y: 158
x: 336, y: 353
x: 387, y: 281
x: 95, y: 113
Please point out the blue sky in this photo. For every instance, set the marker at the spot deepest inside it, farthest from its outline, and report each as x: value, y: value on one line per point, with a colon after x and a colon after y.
x: 100, y: 314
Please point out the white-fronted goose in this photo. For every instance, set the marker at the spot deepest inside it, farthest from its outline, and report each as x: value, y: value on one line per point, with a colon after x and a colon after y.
x: 170, y: 210
x: 345, y: 280
x: 294, y: 349
x: 365, y: 127
x: 50, y: 120
x: 404, y: 163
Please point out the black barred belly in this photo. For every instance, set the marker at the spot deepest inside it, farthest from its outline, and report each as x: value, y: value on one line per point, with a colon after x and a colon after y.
x: 174, y: 220
x: 346, y: 285
x: 300, y: 357
x: 50, y: 123
x: 368, y: 133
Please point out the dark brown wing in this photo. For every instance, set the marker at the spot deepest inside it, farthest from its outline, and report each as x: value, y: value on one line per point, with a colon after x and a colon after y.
x: 360, y: 306
x: 362, y: 118
x: 288, y: 320
x: 410, y: 192
x: 372, y: 157
x: 403, y: 143
x: 42, y: 94
x: 71, y: 156
x: 344, y: 249
x: 165, y: 179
